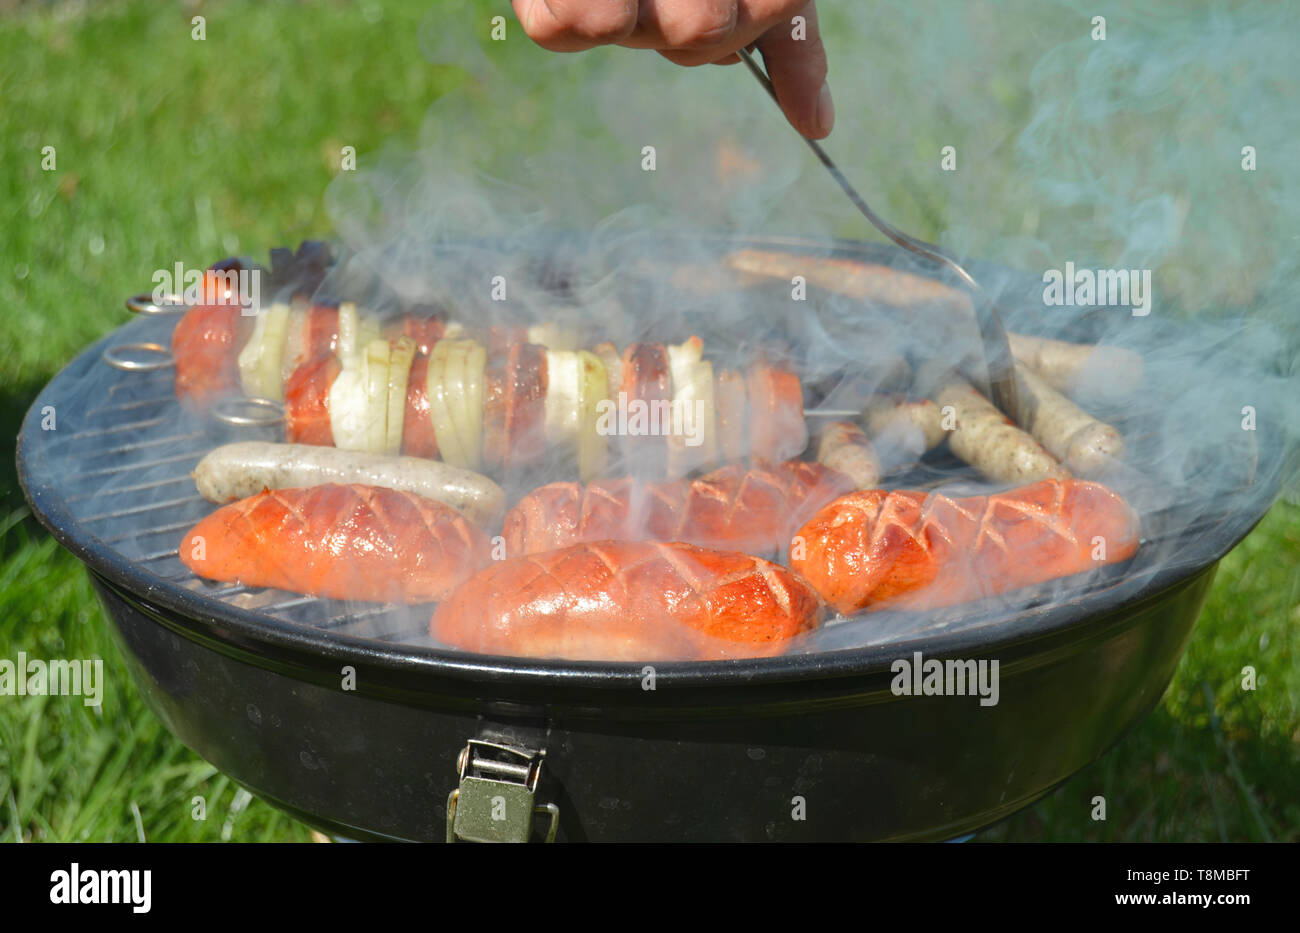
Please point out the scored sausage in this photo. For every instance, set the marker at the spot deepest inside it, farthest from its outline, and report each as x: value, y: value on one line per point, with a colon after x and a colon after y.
x: 744, y: 509
x: 236, y: 471
x: 916, y: 550
x: 345, y: 542
x: 629, y: 601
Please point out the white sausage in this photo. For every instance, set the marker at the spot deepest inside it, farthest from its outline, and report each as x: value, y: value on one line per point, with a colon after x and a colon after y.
x: 237, y: 471
x: 984, y: 437
x: 1114, y: 372
x: 1085, y: 445
x: 845, y: 448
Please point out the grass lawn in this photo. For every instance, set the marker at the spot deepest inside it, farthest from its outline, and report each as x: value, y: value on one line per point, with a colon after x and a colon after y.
x: 169, y: 149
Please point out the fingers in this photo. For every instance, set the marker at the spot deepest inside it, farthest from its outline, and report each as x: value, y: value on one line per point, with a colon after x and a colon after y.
x: 685, y: 25
x: 796, y: 63
x: 700, y: 32
x: 576, y: 25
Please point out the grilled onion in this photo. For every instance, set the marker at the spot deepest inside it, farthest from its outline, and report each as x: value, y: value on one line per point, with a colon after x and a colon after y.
x: 692, y: 408
x: 377, y: 351
x: 400, y: 356
x: 455, y: 387
x: 439, y: 404
x: 593, y: 446
x: 259, y: 361
x: 564, y: 381
x: 295, y: 341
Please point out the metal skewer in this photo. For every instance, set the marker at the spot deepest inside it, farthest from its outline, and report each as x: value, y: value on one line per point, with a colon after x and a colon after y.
x: 997, y: 351
x: 836, y: 413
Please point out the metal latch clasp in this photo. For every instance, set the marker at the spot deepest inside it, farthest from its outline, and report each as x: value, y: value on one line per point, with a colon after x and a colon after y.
x: 495, y: 799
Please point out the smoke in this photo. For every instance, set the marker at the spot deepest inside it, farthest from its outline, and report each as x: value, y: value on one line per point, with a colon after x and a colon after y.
x: 1020, y: 136
x: 600, y: 186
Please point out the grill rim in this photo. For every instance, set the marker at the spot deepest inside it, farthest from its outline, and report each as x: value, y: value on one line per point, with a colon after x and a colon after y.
x: 1027, y: 633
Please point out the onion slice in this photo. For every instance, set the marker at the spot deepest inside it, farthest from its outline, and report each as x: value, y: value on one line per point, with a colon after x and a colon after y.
x: 457, y: 375
x: 593, y: 445
x: 377, y: 351
x: 564, y: 381
x: 349, y: 332
x: 439, y: 408
x: 692, y: 440
x: 400, y: 356
x: 347, y: 405
x: 295, y: 341
x: 475, y: 388
x: 259, y: 361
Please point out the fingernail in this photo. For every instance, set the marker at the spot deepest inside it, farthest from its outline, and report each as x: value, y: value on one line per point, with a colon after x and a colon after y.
x: 825, y: 110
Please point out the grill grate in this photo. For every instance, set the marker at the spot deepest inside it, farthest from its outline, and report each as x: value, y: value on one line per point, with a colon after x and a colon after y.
x: 124, y: 448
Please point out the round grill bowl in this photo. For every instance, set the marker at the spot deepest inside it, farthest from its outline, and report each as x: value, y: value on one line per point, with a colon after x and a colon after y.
x: 329, y: 716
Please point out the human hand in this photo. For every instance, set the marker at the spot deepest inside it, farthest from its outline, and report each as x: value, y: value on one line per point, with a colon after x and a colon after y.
x: 701, y: 32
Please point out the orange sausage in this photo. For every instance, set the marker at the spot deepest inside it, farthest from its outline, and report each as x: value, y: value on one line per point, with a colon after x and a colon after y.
x: 915, y: 550
x: 743, y: 509
x: 345, y: 542
x: 629, y: 601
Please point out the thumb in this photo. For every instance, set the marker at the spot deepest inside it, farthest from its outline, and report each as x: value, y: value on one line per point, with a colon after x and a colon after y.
x: 796, y: 63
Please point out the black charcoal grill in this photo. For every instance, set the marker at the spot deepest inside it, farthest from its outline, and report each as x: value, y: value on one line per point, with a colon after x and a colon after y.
x: 806, y: 746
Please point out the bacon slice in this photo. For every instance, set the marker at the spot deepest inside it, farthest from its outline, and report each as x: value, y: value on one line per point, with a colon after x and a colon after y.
x: 514, y: 404
x: 776, y: 425
x: 322, y: 331
x: 744, y: 509
x: 647, y: 382
x: 342, y: 541
x: 204, y: 346
x: 915, y: 550
x: 306, y: 401
x: 418, y: 437
x: 629, y: 601
x: 425, y: 331
x: 731, y: 398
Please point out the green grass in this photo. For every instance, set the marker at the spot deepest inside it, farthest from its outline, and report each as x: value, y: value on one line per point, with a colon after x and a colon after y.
x: 170, y: 149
